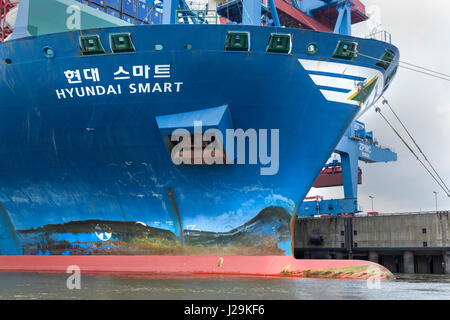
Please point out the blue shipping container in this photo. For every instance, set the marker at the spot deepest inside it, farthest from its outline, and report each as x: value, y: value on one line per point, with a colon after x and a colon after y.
x: 99, y: 2
x: 113, y: 12
x: 96, y: 6
x: 115, y: 4
x: 143, y: 11
x: 129, y: 7
x: 128, y: 18
x: 156, y: 17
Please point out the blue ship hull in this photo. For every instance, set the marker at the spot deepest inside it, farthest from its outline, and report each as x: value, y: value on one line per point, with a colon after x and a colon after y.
x: 85, y: 167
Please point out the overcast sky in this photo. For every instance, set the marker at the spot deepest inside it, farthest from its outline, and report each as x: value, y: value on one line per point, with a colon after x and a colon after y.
x: 421, y: 30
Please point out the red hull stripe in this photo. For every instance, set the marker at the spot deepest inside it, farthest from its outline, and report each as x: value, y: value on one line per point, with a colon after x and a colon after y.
x: 226, y: 265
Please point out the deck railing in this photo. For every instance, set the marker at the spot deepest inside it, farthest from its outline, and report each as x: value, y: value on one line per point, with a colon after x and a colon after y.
x: 381, y: 36
x: 197, y: 17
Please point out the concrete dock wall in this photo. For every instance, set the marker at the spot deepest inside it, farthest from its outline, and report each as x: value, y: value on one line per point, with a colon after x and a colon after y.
x: 403, y: 243
x: 409, y: 231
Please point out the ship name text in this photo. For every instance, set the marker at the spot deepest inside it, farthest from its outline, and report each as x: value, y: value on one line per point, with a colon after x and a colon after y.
x: 89, y: 84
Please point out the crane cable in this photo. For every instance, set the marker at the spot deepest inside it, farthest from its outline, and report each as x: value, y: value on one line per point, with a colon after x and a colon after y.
x: 433, y: 73
x: 419, y: 67
x: 424, y: 71
x: 415, y: 143
x: 412, y: 151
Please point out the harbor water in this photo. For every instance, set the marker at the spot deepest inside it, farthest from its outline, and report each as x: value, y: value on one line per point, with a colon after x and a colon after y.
x: 44, y: 286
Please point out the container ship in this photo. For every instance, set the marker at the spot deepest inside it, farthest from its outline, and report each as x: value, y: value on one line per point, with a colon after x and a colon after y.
x: 110, y: 110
